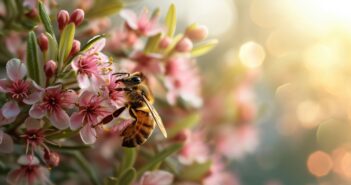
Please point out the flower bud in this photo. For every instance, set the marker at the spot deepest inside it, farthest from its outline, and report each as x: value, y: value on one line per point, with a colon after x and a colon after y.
x: 77, y: 16
x: 75, y: 48
x: 62, y: 19
x: 43, y: 42
x: 165, y: 42
x: 52, y: 159
x: 184, y: 45
x: 50, y: 68
x: 196, y: 32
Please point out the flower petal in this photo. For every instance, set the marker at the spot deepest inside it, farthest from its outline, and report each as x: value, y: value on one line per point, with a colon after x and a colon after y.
x: 5, y: 121
x: 10, y: 109
x: 15, y: 69
x: 76, y: 120
x: 37, y: 111
x: 85, y: 98
x: 88, y: 134
x: 158, y: 177
x: 28, y: 159
x: 69, y: 98
x: 130, y: 18
x: 33, y: 98
x: 32, y: 123
x: 59, y: 119
x: 83, y: 81
x: 6, y: 145
x: 98, y: 46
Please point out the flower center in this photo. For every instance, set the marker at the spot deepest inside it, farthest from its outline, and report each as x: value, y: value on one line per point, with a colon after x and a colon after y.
x: 20, y: 89
x: 34, y: 137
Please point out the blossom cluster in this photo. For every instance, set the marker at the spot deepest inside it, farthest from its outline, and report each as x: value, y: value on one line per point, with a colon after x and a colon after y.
x: 61, y: 89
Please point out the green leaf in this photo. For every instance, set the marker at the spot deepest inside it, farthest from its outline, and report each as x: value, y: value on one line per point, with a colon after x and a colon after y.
x: 12, y: 10
x: 171, y: 47
x: 203, y: 48
x: 171, y: 20
x: 104, y: 8
x: 45, y: 19
x: 52, y: 49
x: 127, y: 177
x: 152, y: 43
x: 34, y: 65
x: 66, y: 42
x: 187, y: 122
x: 63, y: 134
x: 128, y: 158
x: 85, y: 165
x: 195, y: 171
x: 160, y: 157
x: 91, y: 42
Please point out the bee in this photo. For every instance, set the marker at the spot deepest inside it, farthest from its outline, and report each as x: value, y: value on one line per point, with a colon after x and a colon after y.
x: 140, y: 106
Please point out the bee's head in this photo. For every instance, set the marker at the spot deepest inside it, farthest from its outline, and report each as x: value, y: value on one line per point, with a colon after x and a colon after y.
x: 134, y: 79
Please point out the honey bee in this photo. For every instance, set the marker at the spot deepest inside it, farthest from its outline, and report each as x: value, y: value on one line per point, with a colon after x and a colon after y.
x: 140, y: 107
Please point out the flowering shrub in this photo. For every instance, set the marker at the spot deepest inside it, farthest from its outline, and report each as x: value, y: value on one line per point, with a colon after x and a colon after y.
x: 55, y: 97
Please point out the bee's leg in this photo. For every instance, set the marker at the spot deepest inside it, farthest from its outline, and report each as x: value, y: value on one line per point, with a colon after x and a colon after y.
x: 123, y: 89
x: 110, y: 117
x: 121, y: 74
x: 133, y: 114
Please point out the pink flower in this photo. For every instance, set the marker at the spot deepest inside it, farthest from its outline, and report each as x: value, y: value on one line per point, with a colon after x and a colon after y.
x: 244, y: 138
x: 121, y: 40
x: 182, y: 81
x: 34, y: 135
x: 92, y: 67
x: 18, y: 89
x: 142, y: 25
x: 15, y: 44
x: 158, y: 177
x: 92, y: 108
x: 147, y: 63
x: 29, y: 173
x: 53, y: 103
x: 217, y: 175
x: 194, y: 149
x: 116, y: 98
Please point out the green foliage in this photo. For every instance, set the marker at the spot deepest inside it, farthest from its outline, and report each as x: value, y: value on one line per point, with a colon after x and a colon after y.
x: 187, y: 122
x: 102, y: 8
x: 127, y: 177
x: 159, y: 158
x: 195, y: 171
x: 34, y: 65
x: 66, y: 42
x: 45, y: 19
x: 152, y: 43
x: 171, y: 21
x: 203, y: 48
x: 52, y: 49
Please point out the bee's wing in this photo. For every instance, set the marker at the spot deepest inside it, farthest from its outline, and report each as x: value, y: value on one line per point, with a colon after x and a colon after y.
x: 156, y: 116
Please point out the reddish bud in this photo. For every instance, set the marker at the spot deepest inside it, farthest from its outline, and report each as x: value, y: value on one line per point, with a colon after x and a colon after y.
x: 52, y: 159
x: 165, y: 42
x: 62, y: 19
x: 43, y: 42
x: 77, y: 16
x: 196, y: 32
x: 184, y: 45
x: 50, y: 68
x: 75, y: 48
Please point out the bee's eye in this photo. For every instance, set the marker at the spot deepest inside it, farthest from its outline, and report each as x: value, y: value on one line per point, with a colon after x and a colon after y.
x: 136, y: 79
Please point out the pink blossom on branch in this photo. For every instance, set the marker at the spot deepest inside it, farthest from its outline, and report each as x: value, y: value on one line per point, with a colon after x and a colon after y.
x: 52, y: 105
x: 18, y: 89
x: 92, y: 108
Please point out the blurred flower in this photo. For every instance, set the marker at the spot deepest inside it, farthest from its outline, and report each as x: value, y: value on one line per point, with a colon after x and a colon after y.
x: 194, y: 148
x: 92, y: 66
x: 182, y: 81
x: 196, y: 32
x: 122, y: 40
x: 142, y: 25
x: 184, y: 45
x: 235, y: 143
x: 15, y: 44
x: 17, y: 88
x: 29, y: 173
x: 92, y: 108
x: 53, y: 103
x: 158, y: 177
x: 6, y: 143
x: 218, y: 175
x: 52, y: 159
x: 147, y: 63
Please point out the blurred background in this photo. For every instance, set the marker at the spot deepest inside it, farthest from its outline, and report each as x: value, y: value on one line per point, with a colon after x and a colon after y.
x: 295, y: 56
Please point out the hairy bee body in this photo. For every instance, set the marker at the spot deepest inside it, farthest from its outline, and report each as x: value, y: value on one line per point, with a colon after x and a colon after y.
x: 139, y: 103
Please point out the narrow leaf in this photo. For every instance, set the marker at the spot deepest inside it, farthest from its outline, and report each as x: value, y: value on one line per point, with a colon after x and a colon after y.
x: 203, y: 48
x: 45, y: 19
x: 171, y: 20
x: 34, y: 65
x: 152, y: 43
x: 86, y: 167
x: 128, y: 158
x: 127, y: 177
x: 159, y: 158
x: 195, y: 171
x: 66, y: 42
x: 104, y: 8
x: 52, y: 49
x: 184, y: 123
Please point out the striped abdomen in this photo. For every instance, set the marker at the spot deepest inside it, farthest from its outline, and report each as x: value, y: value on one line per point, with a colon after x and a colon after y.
x: 138, y: 132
